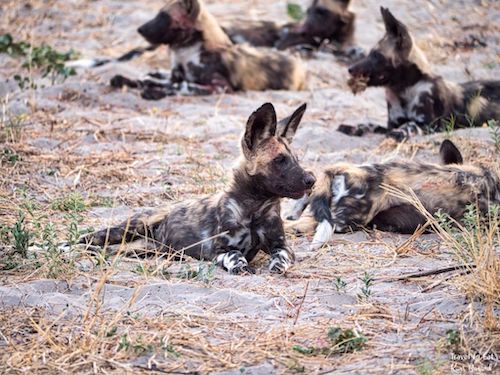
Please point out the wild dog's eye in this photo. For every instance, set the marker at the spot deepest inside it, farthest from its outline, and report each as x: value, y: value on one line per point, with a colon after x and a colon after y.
x: 377, y: 56
x: 280, y: 160
x: 320, y: 11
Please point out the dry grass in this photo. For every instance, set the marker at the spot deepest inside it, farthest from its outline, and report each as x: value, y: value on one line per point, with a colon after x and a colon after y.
x: 475, y: 243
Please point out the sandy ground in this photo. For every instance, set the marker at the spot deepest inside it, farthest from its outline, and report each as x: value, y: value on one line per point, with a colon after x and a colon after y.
x: 122, y: 153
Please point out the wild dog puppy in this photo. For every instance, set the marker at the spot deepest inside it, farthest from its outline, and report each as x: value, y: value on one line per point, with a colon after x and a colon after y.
x: 206, y: 61
x: 231, y: 227
x: 418, y: 101
x: 327, y: 21
x: 349, y: 196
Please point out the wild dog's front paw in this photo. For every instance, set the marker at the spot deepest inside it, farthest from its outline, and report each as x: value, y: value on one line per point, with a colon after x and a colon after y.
x: 119, y: 81
x: 361, y: 129
x: 154, y: 94
x: 281, y: 261
x: 408, y: 130
x: 233, y: 262
x: 398, y: 135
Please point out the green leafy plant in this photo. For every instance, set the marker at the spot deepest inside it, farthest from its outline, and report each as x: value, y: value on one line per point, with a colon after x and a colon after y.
x: 449, y: 125
x: 50, y: 62
x: 72, y: 202
x: 295, y: 11
x: 203, y: 273
x: 366, y: 291
x: 340, y: 284
x: 21, y: 236
x: 453, y: 337
x: 137, y: 346
x: 340, y: 341
x: 9, y: 156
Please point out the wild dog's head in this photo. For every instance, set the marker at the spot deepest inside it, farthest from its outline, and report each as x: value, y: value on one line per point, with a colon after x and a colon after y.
x: 269, y: 164
x: 394, y: 53
x: 325, y: 20
x: 181, y: 23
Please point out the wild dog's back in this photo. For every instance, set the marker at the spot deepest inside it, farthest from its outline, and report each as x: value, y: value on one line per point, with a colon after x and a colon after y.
x: 253, y: 69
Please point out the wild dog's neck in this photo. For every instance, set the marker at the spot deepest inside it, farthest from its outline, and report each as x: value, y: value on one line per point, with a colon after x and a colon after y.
x: 410, y: 72
x: 213, y: 36
x: 404, y: 76
x: 249, y: 191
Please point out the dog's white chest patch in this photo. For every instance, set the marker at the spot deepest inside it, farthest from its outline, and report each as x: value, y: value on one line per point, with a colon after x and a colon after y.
x: 396, y: 110
x: 186, y: 56
x: 414, y: 97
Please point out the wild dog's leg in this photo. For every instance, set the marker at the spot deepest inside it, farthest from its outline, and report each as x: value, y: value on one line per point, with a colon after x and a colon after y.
x: 233, y: 262
x: 406, y: 131
x: 208, y: 79
x: 421, y: 120
x: 401, y: 219
x: 272, y: 240
x: 361, y: 129
x: 151, y: 90
x: 298, y: 207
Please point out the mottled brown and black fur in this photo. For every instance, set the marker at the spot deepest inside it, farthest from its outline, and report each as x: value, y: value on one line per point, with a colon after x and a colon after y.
x: 231, y: 227
x: 326, y: 21
x: 418, y: 101
x: 205, y: 60
x: 349, y: 196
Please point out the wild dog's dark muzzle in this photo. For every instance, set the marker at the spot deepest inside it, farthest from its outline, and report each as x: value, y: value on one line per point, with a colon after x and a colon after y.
x: 361, y: 68
x: 154, y: 31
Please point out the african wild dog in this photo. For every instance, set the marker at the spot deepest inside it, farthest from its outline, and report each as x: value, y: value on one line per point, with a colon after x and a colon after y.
x: 349, y: 196
x: 327, y: 21
x: 419, y: 101
x: 206, y: 61
x: 231, y: 227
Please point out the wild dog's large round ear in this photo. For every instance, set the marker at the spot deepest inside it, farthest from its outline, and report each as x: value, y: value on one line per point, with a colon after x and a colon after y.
x: 192, y: 8
x: 288, y: 126
x: 260, y: 125
x: 397, y: 30
x: 449, y: 153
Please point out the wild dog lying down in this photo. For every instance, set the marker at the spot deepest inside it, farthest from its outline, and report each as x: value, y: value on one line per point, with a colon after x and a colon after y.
x: 418, y: 101
x: 231, y: 227
x: 206, y: 61
x: 349, y: 196
x: 326, y: 21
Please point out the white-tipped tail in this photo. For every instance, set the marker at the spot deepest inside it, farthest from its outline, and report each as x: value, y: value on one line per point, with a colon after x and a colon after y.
x: 86, y: 63
x: 324, y: 232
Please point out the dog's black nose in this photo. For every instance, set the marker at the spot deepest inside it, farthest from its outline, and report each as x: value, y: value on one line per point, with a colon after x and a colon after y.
x: 140, y: 30
x: 350, y: 69
x: 309, y: 180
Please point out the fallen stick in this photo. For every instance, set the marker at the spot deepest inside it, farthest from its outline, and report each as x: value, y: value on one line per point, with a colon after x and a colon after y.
x: 301, y: 303
x: 436, y: 271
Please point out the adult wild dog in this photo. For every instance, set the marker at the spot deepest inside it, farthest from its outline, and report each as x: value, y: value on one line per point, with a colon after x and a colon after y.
x: 419, y: 101
x: 326, y: 21
x: 231, y: 227
x: 349, y: 196
x: 206, y: 61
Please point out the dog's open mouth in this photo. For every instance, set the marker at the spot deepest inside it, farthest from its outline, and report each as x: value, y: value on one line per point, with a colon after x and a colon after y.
x: 358, y: 83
